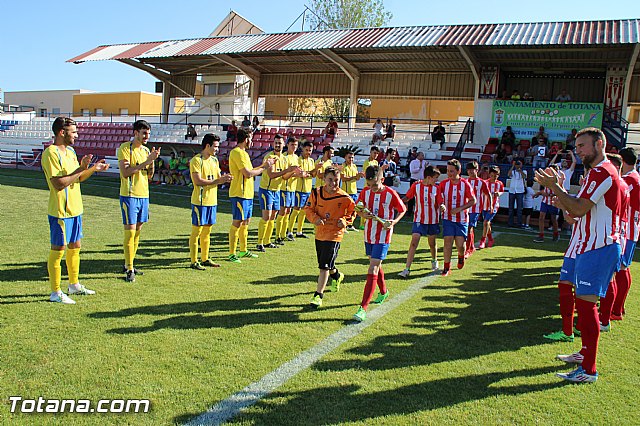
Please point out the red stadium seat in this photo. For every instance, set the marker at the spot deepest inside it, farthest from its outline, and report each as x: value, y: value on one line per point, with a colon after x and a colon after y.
x: 298, y: 132
x: 316, y: 132
x: 486, y: 158
x: 306, y: 132
x: 493, y: 141
x: 490, y: 148
x: 525, y: 143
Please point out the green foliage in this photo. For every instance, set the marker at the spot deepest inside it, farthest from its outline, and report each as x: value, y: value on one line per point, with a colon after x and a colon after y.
x: 341, y: 14
x: 343, y: 150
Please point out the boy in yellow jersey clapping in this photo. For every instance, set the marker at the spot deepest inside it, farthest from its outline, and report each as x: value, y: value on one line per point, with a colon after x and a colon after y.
x: 206, y: 176
x: 321, y: 164
x: 304, y: 185
x: 349, y: 176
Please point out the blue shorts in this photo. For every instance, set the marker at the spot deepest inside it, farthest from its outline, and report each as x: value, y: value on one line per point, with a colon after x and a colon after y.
x: 134, y: 210
x: 473, y: 219
x: 546, y: 208
x: 65, y: 230
x: 269, y: 200
x: 287, y: 199
x: 301, y: 199
x: 424, y: 230
x: 568, y: 270
x: 454, y: 229
x: 376, y: 251
x: 203, y: 215
x: 241, y: 208
x: 354, y: 197
x: 595, y: 268
x: 488, y: 216
x: 629, y: 250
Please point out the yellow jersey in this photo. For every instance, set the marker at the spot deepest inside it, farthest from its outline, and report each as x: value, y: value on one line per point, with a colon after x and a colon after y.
x: 305, y: 184
x: 348, y: 172
x: 68, y: 201
x: 136, y: 185
x: 274, y: 184
x: 207, y: 169
x: 291, y: 184
x: 241, y: 186
x: 325, y: 164
x: 366, y: 164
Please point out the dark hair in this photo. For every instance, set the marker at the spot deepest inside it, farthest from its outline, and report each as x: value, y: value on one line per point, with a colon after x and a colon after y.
x: 307, y: 144
x: 141, y: 125
x: 494, y: 169
x: 431, y: 171
x: 182, y: 152
x: 629, y: 156
x: 471, y: 165
x: 615, y: 159
x: 390, y: 151
x: 60, y: 123
x: 455, y: 163
x: 371, y: 172
x: 374, y: 148
x: 348, y: 152
x: 278, y: 136
x: 241, y: 136
x: 327, y: 149
x: 209, y: 139
x: 596, y: 134
x: 331, y: 171
x: 291, y: 139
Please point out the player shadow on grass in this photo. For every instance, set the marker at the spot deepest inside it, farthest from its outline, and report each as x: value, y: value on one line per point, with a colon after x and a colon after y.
x: 350, y: 403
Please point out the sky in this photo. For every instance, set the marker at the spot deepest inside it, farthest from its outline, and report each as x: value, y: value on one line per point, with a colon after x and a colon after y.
x: 39, y: 36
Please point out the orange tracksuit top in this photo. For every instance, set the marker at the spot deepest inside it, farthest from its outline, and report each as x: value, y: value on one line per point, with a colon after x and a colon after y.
x: 331, y: 209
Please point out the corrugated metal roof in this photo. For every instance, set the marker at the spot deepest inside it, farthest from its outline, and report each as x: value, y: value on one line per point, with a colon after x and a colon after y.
x: 516, y: 34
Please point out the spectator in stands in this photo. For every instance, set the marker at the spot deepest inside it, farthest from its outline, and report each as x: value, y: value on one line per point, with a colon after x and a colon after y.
x: 232, y: 131
x: 246, y: 124
x: 540, y: 135
x: 377, y: 131
x: 411, y: 155
x: 545, y: 97
x: 563, y: 96
x: 191, y: 133
x: 438, y: 134
x: 571, y: 139
x: 505, y: 96
x: 515, y: 95
x: 390, y: 130
x: 162, y: 171
x: 174, y: 175
x: 391, y: 172
x: 540, y: 157
x: 507, y: 146
x: 517, y: 189
x: 531, y: 152
x: 527, y: 97
x: 330, y: 130
x: 255, y: 124
x: 183, y: 168
x: 416, y: 169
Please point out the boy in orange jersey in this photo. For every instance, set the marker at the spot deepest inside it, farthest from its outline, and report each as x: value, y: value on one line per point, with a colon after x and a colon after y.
x: 330, y: 209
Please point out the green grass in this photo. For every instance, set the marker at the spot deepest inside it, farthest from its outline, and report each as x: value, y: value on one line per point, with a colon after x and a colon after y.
x: 465, y: 349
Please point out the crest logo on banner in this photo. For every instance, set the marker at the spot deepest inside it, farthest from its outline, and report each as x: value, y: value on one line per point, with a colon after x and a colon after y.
x: 488, y: 83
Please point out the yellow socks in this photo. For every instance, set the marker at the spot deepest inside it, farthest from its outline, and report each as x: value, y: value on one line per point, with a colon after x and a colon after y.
x: 269, y: 232
x: 234, y: 233
x: 129, y: 247
x: 262, y: 227
x: 73, y: 265
x: 292, y: 221
x: 205, y: 242
x: 283, y: 226
x: 193, y: 242
x: 244, y: 237
x: 54, y: 268
x: 301, y: 217
x: 279, y: 224
x: 136, y: 240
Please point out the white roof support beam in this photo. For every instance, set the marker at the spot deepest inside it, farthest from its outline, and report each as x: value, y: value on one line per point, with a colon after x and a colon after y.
x: 353, y: 74
x: 475, y: 67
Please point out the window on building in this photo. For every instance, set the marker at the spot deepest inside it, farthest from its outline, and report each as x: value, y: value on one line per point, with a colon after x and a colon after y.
x: 124, y: 112
x: 99, y: 112
x: 42, y: 112
x: 55, y: 111
x: 218, y: 89
x: 86, y: 112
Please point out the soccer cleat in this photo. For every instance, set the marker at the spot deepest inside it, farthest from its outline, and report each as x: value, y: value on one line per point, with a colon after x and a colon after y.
x: 538, y: 240
x: 271, y: 245
x: 615, y: 317
x: 576, y: 332
x: 460, y: 262
x: 575, y: 358
x: 559, y: 336
x: 351, y: 228
x: 233, y: 258
x: 605, y: 328
x: 445, y: 272
x: 137, y: 271
x: 405, y: 273
x: 482, y: 244
x: 381, y: 298
x: 316, y: 301
x: 301, y: 236
x: 197, y: 266
x: 279, y: 241
x: 556, y: 238
x: 290, y: 237
x: 210, y: 263
x: 578, y: 376
x: 335, y: 284
x: 490, y: 242
x: 434, y: 265
x: 360, y: 315
x: 131, y: 276
x: 80, y: 289
x: 247, y: 254
x: 60, y: 297
x: 260, y: 248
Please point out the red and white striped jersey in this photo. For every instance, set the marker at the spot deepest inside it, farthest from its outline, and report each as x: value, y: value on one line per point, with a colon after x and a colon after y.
x: 383, y: 204
x: 599, y: 227
x: 456, y: 195
x: 481, y: 191
x: 548, y: 194
x: 495, y: 189
x: 633, y: 213
x: 624, y: 209
x: 428, y: 200
x: 573, y: 242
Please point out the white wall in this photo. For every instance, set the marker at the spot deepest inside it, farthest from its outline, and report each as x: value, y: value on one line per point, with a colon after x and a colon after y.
x: 482, y: 109
x: 49, y: 99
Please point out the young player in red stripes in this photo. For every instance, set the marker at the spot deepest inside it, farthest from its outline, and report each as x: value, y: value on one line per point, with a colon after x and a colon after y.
x: 381, y: 208
x: 481, y: 191
x: 491, y: 205
x: 426, y: 216
x: 547, y: 207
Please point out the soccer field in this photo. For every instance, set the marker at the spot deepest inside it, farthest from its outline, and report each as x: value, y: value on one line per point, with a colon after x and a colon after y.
x: 466, y: 349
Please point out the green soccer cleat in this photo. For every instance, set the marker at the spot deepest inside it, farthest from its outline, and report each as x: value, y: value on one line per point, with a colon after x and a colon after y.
x: 335, y: 284
x: 247, y: 254
x: 233, y: 258
x: 360, y: 315
x: 559, y: 336
x: 316, y: 301
x: 381, y: 298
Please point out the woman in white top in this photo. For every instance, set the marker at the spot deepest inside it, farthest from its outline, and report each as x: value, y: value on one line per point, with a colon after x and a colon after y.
x: 377, y: 131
